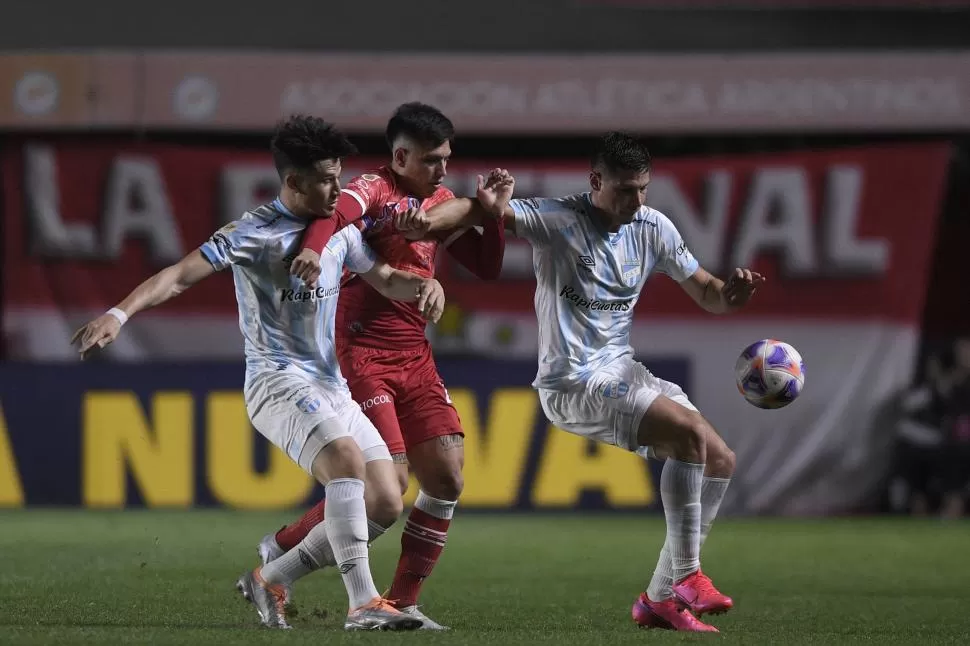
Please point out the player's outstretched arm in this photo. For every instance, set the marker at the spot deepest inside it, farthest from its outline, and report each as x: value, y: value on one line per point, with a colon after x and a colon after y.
x: 404, y: 286
x: 491, y: 201
x: 166, y: 284
x: 718, y: 296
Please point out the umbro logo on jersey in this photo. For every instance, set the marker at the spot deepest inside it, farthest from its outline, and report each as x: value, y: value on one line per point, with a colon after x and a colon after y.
x: 586, y: 262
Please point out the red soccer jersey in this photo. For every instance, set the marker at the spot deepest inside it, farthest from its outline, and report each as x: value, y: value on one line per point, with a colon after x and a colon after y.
x: 364, y: 316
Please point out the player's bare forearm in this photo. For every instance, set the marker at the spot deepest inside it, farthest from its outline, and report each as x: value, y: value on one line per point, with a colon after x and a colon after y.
x: 399, y: 285
x: 713, y: 299
x: 167, y: 284
x: 718, y: 296
x: 393, y: 283
x: 457, y: 213
x: 707, y: 291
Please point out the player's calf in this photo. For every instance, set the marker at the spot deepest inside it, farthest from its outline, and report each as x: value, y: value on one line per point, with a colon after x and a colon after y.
x: 437, y: 464
x: 683, y: 432
x: 382, y: 494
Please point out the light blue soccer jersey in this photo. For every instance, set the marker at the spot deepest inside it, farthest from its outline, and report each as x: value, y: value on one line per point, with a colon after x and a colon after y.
x: 283, y: 322
x: 588, y: 281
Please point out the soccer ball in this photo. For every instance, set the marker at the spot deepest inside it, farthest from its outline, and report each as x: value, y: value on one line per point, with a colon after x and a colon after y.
x: 770, y: 374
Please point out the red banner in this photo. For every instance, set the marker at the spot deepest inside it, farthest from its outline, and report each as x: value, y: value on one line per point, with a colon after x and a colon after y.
x: 840, y: 234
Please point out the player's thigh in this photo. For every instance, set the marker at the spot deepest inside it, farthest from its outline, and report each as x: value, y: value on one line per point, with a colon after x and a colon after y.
x: 581, y: 414
x: 673, y: 430
x: 720, y: 459
x: 293, y: 413
x: 376, y: 399
x: 348, y: 457
x: 432, y: 429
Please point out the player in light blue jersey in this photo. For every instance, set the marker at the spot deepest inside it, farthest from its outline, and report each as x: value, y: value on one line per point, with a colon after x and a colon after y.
x: 592, y: 253
x: 294, y: 392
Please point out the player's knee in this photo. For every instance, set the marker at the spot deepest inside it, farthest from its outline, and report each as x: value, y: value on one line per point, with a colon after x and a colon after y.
x: 445, y: 483
x: 341, y: 458
x: 691, y: 443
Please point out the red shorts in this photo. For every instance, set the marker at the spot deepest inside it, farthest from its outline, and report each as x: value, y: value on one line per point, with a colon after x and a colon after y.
x: 402, y: 394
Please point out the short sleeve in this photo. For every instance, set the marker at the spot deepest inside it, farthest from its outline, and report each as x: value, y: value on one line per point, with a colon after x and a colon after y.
x: 360, y: 257
x: 367, y: 190
x: 237, y: 243
x: 673, y: 256
x: 536, y: 219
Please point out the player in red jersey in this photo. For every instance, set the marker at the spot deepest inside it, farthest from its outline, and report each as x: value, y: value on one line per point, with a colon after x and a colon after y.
x: 382, y: 348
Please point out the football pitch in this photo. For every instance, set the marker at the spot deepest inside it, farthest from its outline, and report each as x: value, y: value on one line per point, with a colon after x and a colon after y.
x: 164, y: 577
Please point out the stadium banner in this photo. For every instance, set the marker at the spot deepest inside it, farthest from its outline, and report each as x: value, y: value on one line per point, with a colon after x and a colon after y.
x: 845, y: 237
x: 168, y: 435
x: 486, y: 94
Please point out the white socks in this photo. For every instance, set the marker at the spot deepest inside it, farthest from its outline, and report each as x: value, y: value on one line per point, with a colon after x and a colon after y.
x: 341, y: 540
x: 443, y: 509
x: 712, y: 493
x: 346, y: 521
x: 310, y: 554
x: 680, y: 491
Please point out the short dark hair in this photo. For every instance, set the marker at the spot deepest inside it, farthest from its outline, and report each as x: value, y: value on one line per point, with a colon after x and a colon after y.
x: 619, y: 151
x: 301, y: 141
x: 423, y: 123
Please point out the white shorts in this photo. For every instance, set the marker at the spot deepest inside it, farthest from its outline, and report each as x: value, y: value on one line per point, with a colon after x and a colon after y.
x: 301, y: 416
x: 609, y: 407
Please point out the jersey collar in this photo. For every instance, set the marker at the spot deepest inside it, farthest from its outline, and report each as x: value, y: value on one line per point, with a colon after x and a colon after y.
x: 278, y: 206
x: 597, y: 223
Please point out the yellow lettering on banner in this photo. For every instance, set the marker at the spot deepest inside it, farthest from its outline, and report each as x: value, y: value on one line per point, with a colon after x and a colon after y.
x: 495, y: 459
x: 116, y: 436
x: 567, y: 468
x: 11, y: 489
x: 229, y: 457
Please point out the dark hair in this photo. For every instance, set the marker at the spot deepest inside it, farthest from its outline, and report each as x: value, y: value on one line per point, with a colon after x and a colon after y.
x: 301, y: 141
x: 618, y: 151
x: 423, y: 123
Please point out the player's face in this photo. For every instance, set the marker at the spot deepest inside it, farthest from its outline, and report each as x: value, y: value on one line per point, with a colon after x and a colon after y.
x: 320, y: 188
x: 621, y: 193
x: 426, y: 168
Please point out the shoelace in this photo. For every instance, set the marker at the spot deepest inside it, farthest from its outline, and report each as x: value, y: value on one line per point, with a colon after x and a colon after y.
x: 382, y: 604
x: 277, y: 591
x: 704, y: 584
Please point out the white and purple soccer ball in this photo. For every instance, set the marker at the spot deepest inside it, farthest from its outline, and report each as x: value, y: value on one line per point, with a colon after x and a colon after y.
x: 770, y: 374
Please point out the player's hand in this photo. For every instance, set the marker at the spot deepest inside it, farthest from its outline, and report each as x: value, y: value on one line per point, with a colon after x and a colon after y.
x: 96, y: 335
x: 740, y: 287
x: 431, y: 299
x: 306, y: 265
x: 495, y: 191
x: 413, y: 223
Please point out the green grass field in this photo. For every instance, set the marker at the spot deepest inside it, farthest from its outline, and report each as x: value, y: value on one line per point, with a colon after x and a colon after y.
x: 72, y: 577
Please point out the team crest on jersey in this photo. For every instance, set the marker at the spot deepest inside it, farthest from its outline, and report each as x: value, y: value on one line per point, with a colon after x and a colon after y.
x: 616, y: 389
x: 390, y: 210
x: 306, y: 400
x: 630, y: 272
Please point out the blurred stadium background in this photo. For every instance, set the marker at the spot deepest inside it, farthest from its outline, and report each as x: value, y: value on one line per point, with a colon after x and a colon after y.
x: 826, y: 144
